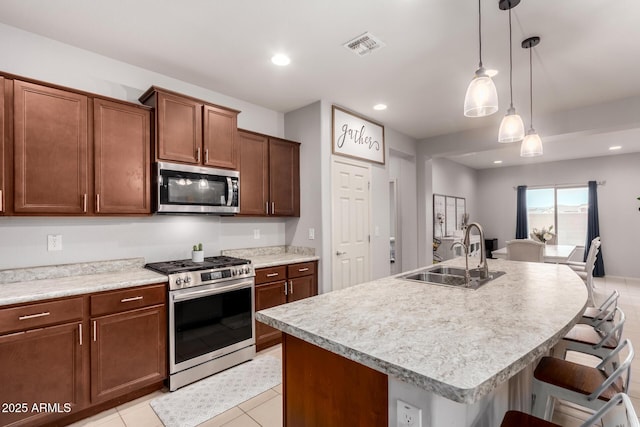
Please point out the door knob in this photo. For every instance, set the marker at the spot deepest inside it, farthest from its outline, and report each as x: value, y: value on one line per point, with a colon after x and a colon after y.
x: 340, y: 253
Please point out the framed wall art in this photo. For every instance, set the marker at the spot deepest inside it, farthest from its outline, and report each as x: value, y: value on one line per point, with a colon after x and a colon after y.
x: 357, y: 137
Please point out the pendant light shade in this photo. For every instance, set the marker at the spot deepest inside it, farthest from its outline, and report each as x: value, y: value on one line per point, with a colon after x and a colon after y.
x: 531, y: 144
x: 511, y: 127
x: 481, y: 98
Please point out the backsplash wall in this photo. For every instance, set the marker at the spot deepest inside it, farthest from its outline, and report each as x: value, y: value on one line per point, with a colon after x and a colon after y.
x: 23, y: 241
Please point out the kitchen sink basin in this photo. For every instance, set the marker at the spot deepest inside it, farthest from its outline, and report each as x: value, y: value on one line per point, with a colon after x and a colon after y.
x: 451, y: 276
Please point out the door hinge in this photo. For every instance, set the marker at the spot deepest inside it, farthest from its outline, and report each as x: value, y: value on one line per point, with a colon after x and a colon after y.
x: 369, y: 237
x: 369, y: 185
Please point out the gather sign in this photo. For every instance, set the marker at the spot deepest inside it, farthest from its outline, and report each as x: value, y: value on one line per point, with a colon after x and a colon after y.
x: 354, y: 136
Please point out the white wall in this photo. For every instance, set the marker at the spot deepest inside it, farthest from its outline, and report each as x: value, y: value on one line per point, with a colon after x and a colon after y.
x: 23, y: 240
x: 617, y: 203
x: 454, y: 179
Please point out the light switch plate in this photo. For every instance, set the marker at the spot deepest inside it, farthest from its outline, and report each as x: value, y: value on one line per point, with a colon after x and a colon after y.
x: 312, y: 233
x: 256, y: 233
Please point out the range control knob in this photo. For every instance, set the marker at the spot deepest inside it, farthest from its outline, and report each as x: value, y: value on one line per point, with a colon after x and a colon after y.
x: 187, y: 279
x: 179, y: 281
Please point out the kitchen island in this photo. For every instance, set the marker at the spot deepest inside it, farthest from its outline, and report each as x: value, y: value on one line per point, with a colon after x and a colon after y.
x: 461, y: 356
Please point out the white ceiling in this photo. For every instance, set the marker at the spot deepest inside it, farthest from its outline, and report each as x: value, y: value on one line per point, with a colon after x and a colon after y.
x: 589, y: 54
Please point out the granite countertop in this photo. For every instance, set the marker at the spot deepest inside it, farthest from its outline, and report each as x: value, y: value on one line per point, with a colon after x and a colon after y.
x: 273, y: 256
x: 458, y: 343
x: 34, y: 284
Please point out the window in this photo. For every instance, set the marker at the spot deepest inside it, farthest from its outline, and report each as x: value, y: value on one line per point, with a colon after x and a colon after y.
x: 564, y: 208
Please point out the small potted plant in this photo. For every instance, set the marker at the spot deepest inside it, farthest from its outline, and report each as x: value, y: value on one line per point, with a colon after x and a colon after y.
x: 197, y: 255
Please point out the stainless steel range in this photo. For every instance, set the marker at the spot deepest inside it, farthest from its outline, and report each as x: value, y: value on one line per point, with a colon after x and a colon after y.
x: 211, y: 316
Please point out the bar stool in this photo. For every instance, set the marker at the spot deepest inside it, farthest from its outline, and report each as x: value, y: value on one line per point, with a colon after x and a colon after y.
x: 598, y: 340
x: 611, y: 415
x: 584, y: 385
x: 592, y: 315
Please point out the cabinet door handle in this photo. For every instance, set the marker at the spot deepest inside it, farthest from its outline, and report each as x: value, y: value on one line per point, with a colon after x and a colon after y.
x: 286, y: 290
x: 1, y: 204
x: 94, y: 331
x: 131, y: 299
x: 198, y: 154
x: 33, y: 316
x: 291, y: 287
x: 84, y: 202
x: 273, y: 208
x: 272, y: 274
x: 301, y: 270
x: 266, y: 205
x: 206, y: 155
x: 98, y: 202
x: 80, y: 332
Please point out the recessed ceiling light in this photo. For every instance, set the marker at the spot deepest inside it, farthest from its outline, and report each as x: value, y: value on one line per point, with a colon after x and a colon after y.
x: 497, y: 162
x: 380, y: 107
x: 491, y: 73
x: 615, y: 147
x: 280, y: 59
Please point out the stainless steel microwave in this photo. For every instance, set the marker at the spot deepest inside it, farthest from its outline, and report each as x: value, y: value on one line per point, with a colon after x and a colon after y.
x: 190, y: 189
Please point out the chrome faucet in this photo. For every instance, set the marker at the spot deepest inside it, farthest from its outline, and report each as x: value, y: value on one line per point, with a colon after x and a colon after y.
x: 465, y: 249
x: 483, y: 268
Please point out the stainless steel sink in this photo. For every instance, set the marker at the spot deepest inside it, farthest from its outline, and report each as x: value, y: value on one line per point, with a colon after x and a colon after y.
x: 451, y: 276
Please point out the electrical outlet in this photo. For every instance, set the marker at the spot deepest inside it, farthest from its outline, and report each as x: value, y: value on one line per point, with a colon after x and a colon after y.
x: 408, y: 415
x: 256, y: 233
x: 54, y: 242
x: 312, y: 233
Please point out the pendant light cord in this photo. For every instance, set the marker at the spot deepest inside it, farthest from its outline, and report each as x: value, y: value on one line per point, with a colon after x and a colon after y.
x: 480, y: 32
x: 510, y: 64
x: 531, y: 85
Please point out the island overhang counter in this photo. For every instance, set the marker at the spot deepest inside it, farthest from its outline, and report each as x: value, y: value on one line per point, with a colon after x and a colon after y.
x: 459, y: 344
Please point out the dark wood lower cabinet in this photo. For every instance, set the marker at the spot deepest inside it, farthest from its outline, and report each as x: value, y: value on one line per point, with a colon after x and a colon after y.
x: 267, y: 296
x: 128, y: 351
x: 341, y: 393
x: 300, y: 281
x: 41, y: 375
x: 65, y: 359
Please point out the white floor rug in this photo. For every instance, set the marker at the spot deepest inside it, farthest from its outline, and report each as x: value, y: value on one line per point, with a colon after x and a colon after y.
x: 200, y: 401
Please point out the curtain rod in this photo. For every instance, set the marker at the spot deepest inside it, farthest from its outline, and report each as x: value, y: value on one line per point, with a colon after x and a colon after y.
x: 579, y: 184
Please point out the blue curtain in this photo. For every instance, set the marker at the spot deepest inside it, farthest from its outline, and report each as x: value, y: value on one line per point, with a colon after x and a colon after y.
x: 522, y: 228
x: 593, y: 228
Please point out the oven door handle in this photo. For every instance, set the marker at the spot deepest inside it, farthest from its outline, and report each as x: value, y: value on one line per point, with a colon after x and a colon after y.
x: 207, y: 292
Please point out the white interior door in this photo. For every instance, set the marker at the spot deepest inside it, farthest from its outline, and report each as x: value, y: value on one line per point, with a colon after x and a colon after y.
x: 350, y: 224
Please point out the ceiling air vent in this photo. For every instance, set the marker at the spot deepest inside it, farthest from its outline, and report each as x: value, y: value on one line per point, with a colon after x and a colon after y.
x: 364, y: 44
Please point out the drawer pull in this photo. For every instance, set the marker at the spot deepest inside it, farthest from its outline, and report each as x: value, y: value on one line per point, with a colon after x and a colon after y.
x: 291, y: 287
x: 94, y: 331
x: 272, y: 274
x: 131, y: 299
x: 303, y: 270
x: 33, y: 316
x: 80, y: 332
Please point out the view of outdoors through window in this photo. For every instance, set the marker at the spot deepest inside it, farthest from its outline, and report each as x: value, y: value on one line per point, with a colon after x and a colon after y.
x: 571, y: 205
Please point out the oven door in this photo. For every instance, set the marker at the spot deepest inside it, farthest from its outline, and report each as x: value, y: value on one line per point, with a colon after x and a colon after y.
x: 193, y: 189
x: 209, y: 321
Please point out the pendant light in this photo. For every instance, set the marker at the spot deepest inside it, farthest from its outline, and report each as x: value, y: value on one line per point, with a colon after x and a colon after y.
x: 481, y: 98
x: 531, y: 144
x: 511, y: 127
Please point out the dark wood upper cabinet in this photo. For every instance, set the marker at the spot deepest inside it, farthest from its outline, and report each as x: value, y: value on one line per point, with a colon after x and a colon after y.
x: 51, y: 150
x: 192, y: 131
x: 220, y: 142
x: 179, y: 124
x: 122, y: 158
x: 269, y: 175
x: 284, y: 177
x: 3, y: 137
x: 254, y: 174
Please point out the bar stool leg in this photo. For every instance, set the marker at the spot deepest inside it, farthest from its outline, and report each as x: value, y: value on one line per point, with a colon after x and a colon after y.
x: 540, y: 401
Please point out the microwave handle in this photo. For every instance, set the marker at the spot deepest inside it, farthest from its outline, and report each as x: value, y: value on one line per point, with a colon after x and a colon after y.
x: 229, y: 191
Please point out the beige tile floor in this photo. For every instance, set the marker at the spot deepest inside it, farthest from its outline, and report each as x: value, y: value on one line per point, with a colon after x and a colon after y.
x: 266, y: 409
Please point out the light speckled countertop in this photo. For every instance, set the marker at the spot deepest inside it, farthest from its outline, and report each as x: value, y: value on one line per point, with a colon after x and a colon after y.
x: 40, y: 283
x: 272, y: 256
x: 458, y: 343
